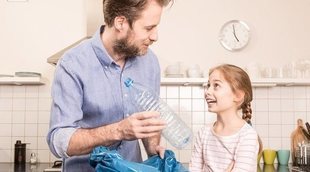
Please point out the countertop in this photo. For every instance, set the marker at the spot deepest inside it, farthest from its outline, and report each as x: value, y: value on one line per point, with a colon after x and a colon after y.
x: 27, y: 167
x: 281, y: 168
x: 269, y: 168
x: 273, y: 168
x: 10, y: 167
x: 266, y: 168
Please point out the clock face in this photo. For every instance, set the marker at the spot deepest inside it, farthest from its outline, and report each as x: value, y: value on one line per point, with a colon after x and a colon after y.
x: 234, y: 35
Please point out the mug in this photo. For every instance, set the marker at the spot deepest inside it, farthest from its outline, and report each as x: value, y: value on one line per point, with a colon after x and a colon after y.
x: 269, y: 156
x: 283, y: 156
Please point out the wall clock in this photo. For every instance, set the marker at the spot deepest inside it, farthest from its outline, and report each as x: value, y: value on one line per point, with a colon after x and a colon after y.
x: 234, y: 35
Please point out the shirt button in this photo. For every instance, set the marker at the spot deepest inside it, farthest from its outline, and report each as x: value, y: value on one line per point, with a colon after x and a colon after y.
x: 106, y: 67
x: 125, y: 95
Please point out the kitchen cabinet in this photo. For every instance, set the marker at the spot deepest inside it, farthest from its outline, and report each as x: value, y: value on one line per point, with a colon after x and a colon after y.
x: 22, y: 80
x: 261, y: 82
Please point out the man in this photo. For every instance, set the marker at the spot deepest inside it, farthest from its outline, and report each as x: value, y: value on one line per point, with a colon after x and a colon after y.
x: 90, y: 104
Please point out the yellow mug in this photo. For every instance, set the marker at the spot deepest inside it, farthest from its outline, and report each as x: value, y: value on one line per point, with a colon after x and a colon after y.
x: 269, y: 156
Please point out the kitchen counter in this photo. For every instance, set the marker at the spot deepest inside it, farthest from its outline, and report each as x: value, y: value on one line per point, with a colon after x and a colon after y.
x: 281, y: 168
x: 273, y: 168
x: 10, y: 167
x: 268, y: 168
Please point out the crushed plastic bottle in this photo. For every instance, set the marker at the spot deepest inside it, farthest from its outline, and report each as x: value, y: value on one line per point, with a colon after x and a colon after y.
x: 177, y: 133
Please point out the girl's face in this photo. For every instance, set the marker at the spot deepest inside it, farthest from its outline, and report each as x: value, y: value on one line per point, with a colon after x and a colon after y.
x: 219, y: 95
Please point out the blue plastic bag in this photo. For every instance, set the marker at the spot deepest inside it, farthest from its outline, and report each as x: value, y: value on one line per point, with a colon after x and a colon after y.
x: 105, y: 160
x: 168, y: 164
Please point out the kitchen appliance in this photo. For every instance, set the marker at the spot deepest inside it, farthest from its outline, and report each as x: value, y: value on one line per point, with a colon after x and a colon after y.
x: 54, y: 58
x: 94, y: 18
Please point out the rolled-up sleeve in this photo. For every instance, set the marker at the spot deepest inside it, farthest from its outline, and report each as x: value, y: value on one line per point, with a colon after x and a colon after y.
x: 66, y: 109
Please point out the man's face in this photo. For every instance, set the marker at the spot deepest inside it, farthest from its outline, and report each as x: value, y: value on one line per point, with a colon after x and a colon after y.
x: 142, y: 34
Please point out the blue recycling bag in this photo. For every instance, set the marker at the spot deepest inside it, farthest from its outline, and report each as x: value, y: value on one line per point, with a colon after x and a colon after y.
x: 105, y: 160
x: 167, y: 164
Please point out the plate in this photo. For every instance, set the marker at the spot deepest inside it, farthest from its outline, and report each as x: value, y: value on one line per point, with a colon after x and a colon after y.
x: 27, y: 74
x: 6, y: 75
x: 174, y: 75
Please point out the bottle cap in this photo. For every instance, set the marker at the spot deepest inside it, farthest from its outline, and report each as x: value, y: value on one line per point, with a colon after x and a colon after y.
x: 128, y: 82
x: 20, y: 144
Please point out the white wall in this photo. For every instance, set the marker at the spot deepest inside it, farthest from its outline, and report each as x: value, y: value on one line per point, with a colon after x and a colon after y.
x: 279, y: 31
x: 34, y: 30
x: 188, y: 32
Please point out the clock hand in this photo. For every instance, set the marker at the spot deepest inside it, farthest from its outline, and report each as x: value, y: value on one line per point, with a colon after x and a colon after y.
x: 234, y: 32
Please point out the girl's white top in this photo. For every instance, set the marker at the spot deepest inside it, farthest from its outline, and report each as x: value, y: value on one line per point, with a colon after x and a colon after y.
x: 214, y: 153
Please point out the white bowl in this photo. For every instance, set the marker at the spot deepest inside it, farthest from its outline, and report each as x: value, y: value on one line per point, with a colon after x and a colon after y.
x: 193, y: 73
x: 173, y: 69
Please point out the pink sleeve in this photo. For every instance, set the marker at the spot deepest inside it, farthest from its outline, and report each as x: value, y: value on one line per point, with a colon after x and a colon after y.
x: 197, y: 161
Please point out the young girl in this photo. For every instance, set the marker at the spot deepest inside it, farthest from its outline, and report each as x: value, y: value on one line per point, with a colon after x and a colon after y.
x: 230, y: 144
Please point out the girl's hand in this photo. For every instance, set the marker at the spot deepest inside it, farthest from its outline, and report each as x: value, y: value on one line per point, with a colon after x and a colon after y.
x: 230, y: 167
x: 161, y: 151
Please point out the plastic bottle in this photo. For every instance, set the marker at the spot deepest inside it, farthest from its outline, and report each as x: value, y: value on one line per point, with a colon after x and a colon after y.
x: 176, y: 132
x: 33, y: 158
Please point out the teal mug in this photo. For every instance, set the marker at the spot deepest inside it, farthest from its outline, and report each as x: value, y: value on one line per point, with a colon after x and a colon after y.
x: 283, y: 156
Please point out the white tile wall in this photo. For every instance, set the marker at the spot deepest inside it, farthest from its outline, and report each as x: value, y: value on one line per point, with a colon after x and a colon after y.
x: 25, y: 112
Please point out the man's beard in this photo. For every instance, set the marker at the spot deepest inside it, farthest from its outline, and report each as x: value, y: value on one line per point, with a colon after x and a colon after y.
x: 124, y: 48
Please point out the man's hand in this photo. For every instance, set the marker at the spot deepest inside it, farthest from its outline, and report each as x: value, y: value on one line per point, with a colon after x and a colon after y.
x: 141, y: 125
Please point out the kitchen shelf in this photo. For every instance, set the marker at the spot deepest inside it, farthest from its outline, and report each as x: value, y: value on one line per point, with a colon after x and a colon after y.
x: 183, y: 81
x: 22, y: 80
x: 261, y: 82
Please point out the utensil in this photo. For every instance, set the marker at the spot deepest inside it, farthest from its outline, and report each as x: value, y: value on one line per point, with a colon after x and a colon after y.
x: 308, y: 126
x: 297, y: 137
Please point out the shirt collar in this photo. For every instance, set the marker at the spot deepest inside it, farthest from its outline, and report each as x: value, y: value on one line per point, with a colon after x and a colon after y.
x: 99, y: 49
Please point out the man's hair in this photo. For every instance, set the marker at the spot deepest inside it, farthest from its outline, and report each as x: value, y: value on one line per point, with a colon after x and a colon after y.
x: 131, y: 9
